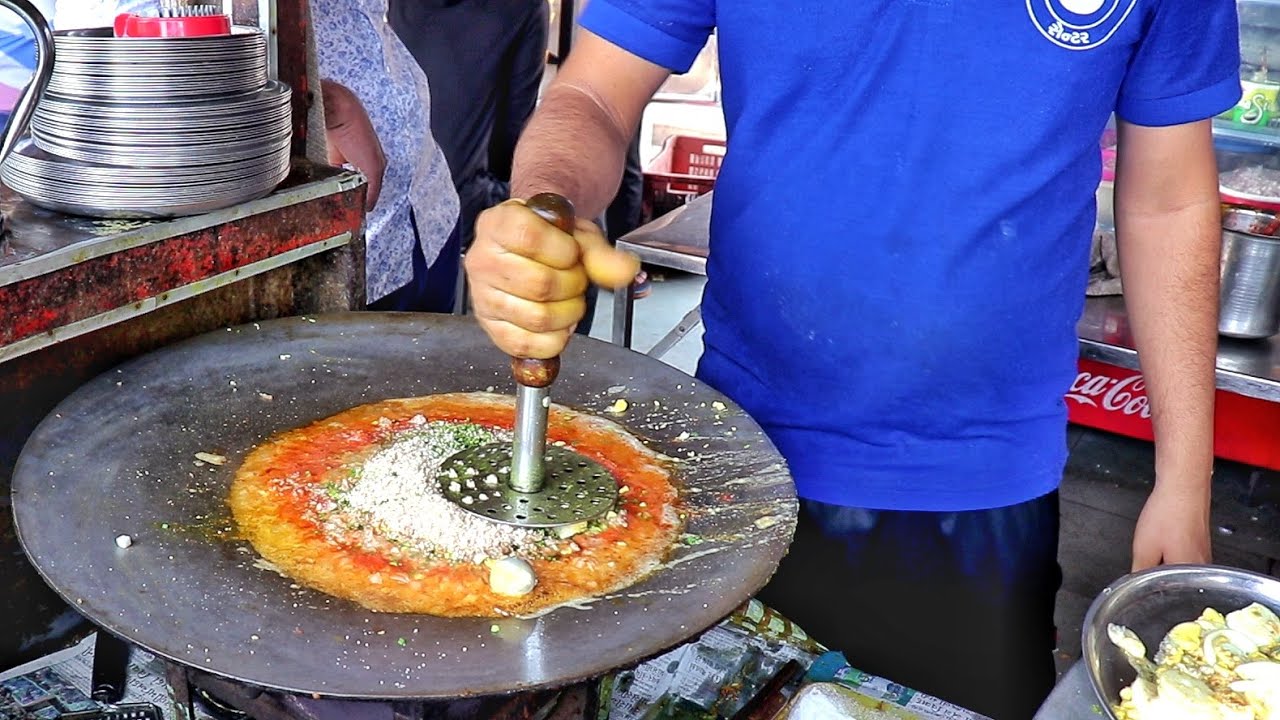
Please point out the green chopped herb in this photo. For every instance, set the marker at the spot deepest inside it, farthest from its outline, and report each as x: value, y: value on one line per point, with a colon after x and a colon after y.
x: 333, y: 491
x: 494, y: 629
x: 690, y: 539
x: 470, y: 436
x: 401, y: 642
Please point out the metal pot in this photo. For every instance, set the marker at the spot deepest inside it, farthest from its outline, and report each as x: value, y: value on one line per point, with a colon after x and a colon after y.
x: 1250, y: 293
x: 26, y: 105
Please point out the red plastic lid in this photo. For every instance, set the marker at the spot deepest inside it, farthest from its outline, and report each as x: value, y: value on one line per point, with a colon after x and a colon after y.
x: 140, y: 26
x: 1232, y: 197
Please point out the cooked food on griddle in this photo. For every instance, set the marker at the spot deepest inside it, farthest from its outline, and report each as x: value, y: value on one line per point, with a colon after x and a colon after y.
x: 1215, y: 667
x: 351, y: 506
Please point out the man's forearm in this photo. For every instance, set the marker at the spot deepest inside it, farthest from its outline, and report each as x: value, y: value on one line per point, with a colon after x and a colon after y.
x: 1170, y: 272
x: 571, y: 147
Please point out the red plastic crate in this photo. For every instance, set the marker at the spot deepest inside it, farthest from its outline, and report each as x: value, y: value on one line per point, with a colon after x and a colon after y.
x: 686, y: 168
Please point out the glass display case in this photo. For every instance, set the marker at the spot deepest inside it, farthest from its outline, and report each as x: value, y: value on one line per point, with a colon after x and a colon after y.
x: 1246, y: 137
x: 1255, y: 120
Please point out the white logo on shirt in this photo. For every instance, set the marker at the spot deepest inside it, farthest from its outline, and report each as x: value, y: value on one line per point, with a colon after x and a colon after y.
x: 1083, y: 7
x: 1079, y: 24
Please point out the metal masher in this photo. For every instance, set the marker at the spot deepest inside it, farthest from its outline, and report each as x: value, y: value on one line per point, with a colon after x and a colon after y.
x: 528, y: 482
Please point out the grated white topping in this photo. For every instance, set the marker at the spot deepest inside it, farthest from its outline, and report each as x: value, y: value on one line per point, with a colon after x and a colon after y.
x: 396, y: 495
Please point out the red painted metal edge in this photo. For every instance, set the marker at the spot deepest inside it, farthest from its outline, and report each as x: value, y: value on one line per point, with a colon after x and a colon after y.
x: 102, y: 284
x: 1114, y: 399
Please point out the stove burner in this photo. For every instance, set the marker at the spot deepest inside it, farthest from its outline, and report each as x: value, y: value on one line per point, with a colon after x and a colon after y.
x: 215, y: 708
x: 227, y: 700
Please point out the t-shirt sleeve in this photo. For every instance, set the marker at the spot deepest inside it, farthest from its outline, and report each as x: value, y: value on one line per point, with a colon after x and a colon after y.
x: 669, y: 33
x: 1187, y: 66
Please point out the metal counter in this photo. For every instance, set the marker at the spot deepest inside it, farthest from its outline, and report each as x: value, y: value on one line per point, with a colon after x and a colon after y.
x: 679, y: 240
x: 1245, y: 367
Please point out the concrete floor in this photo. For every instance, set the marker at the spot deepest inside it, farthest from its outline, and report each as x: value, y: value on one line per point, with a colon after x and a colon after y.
x: 1106, y: 480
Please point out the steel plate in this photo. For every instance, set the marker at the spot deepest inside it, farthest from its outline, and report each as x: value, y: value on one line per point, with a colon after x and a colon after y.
x: 174, y: 116
x: 118, y: 457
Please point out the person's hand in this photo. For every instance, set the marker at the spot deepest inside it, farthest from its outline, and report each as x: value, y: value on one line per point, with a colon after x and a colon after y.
x: 528, y: 279
x: 351, y: 137
x: 1172, y: 528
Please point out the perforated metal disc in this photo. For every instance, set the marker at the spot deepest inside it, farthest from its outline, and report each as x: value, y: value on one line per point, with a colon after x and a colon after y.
x: 576, y: 489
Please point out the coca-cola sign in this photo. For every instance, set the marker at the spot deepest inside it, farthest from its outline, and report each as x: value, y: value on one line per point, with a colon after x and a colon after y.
x: 1127, y: 395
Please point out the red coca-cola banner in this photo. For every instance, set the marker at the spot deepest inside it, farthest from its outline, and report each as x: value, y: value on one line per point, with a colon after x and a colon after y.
x: 1097, y: 389
x: 1114, y: 399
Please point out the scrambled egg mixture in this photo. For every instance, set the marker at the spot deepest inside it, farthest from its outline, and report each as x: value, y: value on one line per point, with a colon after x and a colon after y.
x: 1213, y: 668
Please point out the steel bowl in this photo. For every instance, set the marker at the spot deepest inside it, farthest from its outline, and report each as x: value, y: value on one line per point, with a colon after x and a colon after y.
x: 1150, y: 603
x: 1249, y: 271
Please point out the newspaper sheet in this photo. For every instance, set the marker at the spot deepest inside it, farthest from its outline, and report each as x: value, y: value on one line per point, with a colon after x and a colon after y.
x: 47, y: 688
x: 710, y: 678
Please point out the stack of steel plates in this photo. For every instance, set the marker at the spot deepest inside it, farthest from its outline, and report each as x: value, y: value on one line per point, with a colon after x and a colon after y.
x: 154, y: 127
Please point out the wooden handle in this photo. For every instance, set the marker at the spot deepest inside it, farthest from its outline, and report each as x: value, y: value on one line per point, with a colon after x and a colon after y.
x: 557, y: 210
x: 535, y: 373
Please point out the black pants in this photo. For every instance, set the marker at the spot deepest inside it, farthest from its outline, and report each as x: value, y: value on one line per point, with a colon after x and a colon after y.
x: 623, y: 214
x: 956, y: 605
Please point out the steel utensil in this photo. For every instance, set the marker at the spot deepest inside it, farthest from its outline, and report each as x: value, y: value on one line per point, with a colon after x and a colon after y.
x: 528, y: 483
x: 1249, y: 272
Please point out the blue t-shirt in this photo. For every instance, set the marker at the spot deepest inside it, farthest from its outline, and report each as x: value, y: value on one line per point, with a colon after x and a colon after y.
x: 901, y: 230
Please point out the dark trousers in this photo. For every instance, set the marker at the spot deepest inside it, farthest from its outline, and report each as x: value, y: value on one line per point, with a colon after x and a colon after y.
x: 623, y: 214
x: 432, y: 289
x: 956, y: 605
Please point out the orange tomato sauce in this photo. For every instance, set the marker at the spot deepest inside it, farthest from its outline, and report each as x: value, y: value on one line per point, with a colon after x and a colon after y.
x: 273, y: 494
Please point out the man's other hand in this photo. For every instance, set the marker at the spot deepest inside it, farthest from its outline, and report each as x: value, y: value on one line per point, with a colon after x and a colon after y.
x: 351, y: 137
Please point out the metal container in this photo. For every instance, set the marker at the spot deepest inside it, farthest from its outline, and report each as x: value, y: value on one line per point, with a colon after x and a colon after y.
x: 1150, y: 603
x: 1250, y: 293
x: 1253, y: 222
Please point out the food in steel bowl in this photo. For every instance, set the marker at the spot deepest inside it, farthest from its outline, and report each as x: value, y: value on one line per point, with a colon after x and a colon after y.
x: 1216, y: 667
x: 1186, y: 642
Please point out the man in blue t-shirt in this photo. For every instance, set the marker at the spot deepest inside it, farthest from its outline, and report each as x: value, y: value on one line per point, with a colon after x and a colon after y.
x: 900, y: 248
